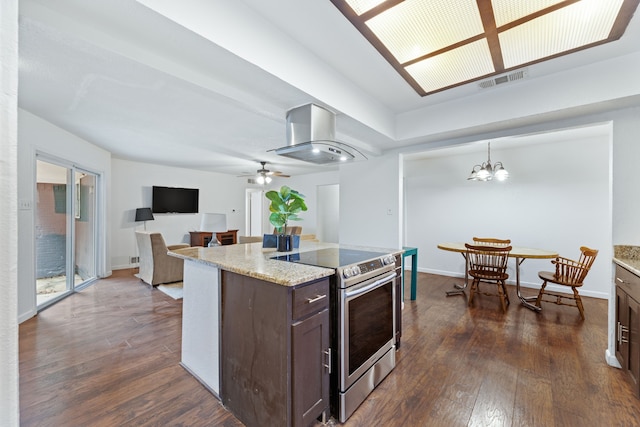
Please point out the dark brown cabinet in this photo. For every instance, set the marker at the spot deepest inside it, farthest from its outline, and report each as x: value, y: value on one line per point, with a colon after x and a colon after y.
x: 274, y: 351
x: 202, y: 238
x: 628, y: 324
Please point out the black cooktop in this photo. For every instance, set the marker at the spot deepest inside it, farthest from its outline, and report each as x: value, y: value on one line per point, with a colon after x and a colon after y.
x: 331, y: 257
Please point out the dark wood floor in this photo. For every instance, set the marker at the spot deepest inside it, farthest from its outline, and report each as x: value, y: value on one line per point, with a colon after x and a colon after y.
x: 108, y: 356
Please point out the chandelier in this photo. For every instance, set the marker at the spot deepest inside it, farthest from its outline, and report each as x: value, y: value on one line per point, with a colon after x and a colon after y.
x: 486, y: 171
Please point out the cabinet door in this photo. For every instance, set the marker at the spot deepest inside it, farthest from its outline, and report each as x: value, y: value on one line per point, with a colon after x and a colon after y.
x: 633, y: 363
x: 622, y: 324
x: 310, y: 357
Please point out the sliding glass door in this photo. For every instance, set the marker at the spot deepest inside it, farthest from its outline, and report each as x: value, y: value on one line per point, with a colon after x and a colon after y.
x: 65, y: 230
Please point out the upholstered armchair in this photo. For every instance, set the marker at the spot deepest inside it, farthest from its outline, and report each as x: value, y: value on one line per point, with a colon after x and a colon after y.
x: 156, y: 266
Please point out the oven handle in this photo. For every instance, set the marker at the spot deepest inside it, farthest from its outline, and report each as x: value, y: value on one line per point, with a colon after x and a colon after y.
x: 373, y: 285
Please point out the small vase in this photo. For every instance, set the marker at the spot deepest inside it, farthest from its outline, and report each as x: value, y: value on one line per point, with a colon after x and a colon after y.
x: 284, y: 243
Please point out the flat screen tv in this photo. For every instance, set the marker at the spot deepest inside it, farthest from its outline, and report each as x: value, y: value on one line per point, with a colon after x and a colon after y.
x: 174, y: 200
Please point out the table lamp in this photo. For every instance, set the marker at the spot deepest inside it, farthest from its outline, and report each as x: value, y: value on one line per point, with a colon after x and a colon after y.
x: 213, y: 222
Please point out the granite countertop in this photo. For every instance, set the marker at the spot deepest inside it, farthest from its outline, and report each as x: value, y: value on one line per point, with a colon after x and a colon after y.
x: 628, y: 257
x: 251, y: 259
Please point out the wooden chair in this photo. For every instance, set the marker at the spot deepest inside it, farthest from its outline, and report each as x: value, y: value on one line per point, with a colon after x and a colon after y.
x: 488, y: 264
x: 490, y: 241
x: 568, y: 273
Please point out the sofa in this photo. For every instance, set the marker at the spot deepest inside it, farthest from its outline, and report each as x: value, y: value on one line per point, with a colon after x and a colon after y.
x: 156, y: 267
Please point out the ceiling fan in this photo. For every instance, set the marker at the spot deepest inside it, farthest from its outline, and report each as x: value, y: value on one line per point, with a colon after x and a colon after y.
x: 263, y: 175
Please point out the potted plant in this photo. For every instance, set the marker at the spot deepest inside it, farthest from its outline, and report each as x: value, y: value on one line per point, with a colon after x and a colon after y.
x: 285, y: 206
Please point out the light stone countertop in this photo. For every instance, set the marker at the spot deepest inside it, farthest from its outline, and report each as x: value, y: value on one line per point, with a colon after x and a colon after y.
x: 251, y: 259
x: 628, y: 257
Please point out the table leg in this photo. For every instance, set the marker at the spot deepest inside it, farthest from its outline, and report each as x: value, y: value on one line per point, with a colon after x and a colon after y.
x: 459, y: 289
x: 414, y: 274
x: 524, y: 300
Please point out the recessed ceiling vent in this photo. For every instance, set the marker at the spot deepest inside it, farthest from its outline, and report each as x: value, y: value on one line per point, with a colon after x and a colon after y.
x: 505, y: 78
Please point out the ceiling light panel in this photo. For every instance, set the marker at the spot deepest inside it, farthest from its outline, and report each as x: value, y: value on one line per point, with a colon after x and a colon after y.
x: 506, y: 11
x: 465, y: 63
x: 571, y: 27
x: 426, y: 41
x: 415, y: 28
x: 362, y: 6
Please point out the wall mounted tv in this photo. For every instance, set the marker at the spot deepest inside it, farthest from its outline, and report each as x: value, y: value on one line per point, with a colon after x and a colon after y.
x: 174, y: 200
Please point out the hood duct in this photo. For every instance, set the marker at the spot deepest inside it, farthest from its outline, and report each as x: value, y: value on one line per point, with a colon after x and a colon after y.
x: 311, y: 134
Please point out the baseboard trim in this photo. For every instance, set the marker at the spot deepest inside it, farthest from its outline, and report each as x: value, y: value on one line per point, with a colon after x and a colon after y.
x: 611, y: 359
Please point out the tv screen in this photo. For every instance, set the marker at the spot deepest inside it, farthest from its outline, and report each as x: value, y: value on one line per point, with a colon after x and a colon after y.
x: 174, y: 200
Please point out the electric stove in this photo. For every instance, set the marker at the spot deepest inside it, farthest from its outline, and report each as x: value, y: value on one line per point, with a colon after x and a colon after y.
x: 332, y: 257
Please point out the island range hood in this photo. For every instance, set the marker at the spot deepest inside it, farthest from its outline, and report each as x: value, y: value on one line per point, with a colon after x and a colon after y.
x: 311, y: 134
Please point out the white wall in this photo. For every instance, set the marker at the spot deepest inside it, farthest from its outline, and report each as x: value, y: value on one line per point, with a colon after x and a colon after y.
x: 9, y: 401
x: 37, y: 135
x: 371, y: 202
x: 328, y: 227
x: 626, y: 155
x: 557, y: 198
x: 132, y: 183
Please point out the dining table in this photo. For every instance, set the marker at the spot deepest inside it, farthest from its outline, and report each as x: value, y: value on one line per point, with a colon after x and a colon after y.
x: 520, y: 253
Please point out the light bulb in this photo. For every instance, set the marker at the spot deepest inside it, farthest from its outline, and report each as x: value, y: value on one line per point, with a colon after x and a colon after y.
x: 501, y: 174
x: 483, y: 174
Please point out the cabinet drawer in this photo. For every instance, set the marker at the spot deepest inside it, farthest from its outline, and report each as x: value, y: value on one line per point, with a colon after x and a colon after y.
x: 310, y: 299
x: 628, y: 281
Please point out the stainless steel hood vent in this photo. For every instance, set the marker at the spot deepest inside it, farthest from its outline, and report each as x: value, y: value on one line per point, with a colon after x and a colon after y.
x: 311, y: 133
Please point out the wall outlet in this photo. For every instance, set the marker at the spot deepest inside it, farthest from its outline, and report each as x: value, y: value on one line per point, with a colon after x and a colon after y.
x: 134, y: 260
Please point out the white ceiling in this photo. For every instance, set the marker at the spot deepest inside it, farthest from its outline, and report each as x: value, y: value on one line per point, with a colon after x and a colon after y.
x: 214, y: 96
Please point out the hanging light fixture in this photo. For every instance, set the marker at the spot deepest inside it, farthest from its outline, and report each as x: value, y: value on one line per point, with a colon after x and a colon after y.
x: 486, y: 171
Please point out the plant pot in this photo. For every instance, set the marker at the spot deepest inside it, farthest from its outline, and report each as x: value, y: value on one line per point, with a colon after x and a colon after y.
x: 285, y: 242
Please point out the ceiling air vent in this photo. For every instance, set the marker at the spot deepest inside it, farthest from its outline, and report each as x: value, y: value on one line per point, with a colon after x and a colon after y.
x: 505, y: 78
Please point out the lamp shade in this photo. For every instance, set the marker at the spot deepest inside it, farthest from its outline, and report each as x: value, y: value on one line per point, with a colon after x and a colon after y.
x: 213, y: 222
x: 144, y: 214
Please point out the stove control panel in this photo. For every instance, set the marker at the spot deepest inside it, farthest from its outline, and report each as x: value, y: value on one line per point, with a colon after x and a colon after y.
x: 368, y: 266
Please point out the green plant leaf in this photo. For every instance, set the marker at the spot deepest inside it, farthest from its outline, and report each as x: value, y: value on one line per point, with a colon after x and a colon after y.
x: 284, y: 207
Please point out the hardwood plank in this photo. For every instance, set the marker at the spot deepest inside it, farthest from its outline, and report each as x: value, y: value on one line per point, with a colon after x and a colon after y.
x: 109, y: 355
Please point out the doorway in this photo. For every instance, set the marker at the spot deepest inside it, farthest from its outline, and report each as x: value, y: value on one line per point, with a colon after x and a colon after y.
x: 254, y: 208
x: 65, y: 230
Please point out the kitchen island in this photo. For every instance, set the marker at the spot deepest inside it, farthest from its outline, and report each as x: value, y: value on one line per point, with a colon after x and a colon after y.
x: 255, y: 330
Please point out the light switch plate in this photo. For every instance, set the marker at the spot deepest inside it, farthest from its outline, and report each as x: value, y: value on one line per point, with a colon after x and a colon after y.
x: 24, y: 204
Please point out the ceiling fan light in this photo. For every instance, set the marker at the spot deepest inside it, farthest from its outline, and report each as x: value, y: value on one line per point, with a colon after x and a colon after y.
x: 260, y: 179
x: 267, y: 179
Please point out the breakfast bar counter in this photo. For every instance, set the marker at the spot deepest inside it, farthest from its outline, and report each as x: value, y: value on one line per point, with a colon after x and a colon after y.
x: 251, y: 259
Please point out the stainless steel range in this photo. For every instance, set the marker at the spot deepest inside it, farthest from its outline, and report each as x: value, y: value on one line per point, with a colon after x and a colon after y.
x: 364, y: 321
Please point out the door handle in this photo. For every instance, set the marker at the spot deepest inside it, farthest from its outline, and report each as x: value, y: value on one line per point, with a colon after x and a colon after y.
x: 327, y: 365
x: 317, y: 298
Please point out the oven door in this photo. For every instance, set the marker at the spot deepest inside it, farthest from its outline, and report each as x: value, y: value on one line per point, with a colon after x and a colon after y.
x: 367, y: 325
